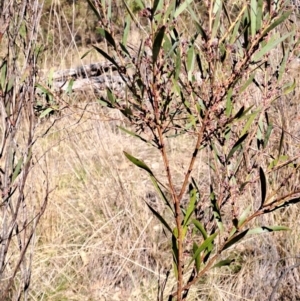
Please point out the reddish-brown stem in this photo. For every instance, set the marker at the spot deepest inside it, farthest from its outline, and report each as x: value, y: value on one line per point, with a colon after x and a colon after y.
x: 176, y: 200
x: 193, y: 159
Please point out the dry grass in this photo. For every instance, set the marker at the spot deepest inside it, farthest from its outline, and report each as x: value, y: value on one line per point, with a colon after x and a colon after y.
x: 99, y: 241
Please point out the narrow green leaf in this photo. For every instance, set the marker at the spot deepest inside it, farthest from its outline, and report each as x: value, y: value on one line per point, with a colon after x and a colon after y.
x: 233, y: 37
x: 160, y: 192
x: 229, y: 103
x: 265, y: 229
x: 247, y: 83
x: 236, y: 238
x: 126, y: 30
x: 268, y: 134
x: 197, y: 258
x: 225, y: 262
x: 194, y: 195
x: 175, y: 255
x: 281, y: 18
x: 241, y: 114
x: 232, y: 232
x: 263, y: 186
x: 244, y: 215
x: 140, y: 4
x: 216, y: 210
x: 286, y: 49
x: 259, y: 14
x: 207, y: 244
x: 178, y: 65
x: 108, y: 8
x: 281, y: 142
x: 190, y: 62
x: 107, y: 36
x: 126, y: 52
x: 138, y: 163
x: 85, y: 54
x: 17, y: 170
x: 46, y: 112
x: 200, y: 227
x: 106, y: 56
x: 269, y: 46
x: 285, y: 204
x: 290, y: 87
x: 217, y: 12
x: 236, y: 146
x: 156, y: 5
x: 157, y: 43
x: 159, y: 217
x: 70, y: 86
x: 182, y: 7
x: 249, y: 122
x: 3, y: 76
x: 94, y: 9
x: 111, y: 97
x: 133, y: 134
x: 253, y: 15
x: 10, y: 84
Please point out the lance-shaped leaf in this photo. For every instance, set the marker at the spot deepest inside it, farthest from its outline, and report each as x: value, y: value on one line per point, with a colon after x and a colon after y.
x: 207, y: 244
x: 265, y: 229
x: 253, y: 16
x: 247, y: 83
x: 159, y: 217
x: 200, y: 227
x: 175, y: 255
x: 281, y: 18
x: 216, y: 210
x: 229, y: 103
x: 108, y: 57
x: 182, y: 7
x: 249, y: 122
x: 194, y: 194
x: 134, y: 135
x: 157, y: 43
x: 92, y: 6
x: 138, y: 163
x: 126, y: 30
x: 46, y: 112
x: 107, y: 36
x: 269, y: 46
x: 70, y: 86
x: 236, y: 238
x: 224, y: 262
x: 259, y: 14
x: 236, y: 146
x: 160, y: 192
x: 198, y: 258
x: 156, y: 5
x: 244, y: 216
x: 267, y: 135
x: 285, y: 204
x: 111, y: 97
x: 190, y: 62
x: 3, y: 76
x: 217, y: 12
x: 142, y: 165
x: 17, y: 170
x: 263, y: 186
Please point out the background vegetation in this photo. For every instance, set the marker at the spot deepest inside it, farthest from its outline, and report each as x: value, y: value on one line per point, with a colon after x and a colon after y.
x: 97, y: 240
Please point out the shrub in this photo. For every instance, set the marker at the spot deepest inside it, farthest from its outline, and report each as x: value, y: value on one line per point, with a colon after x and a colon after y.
x: 19, y: 21
x: 219, y: 83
